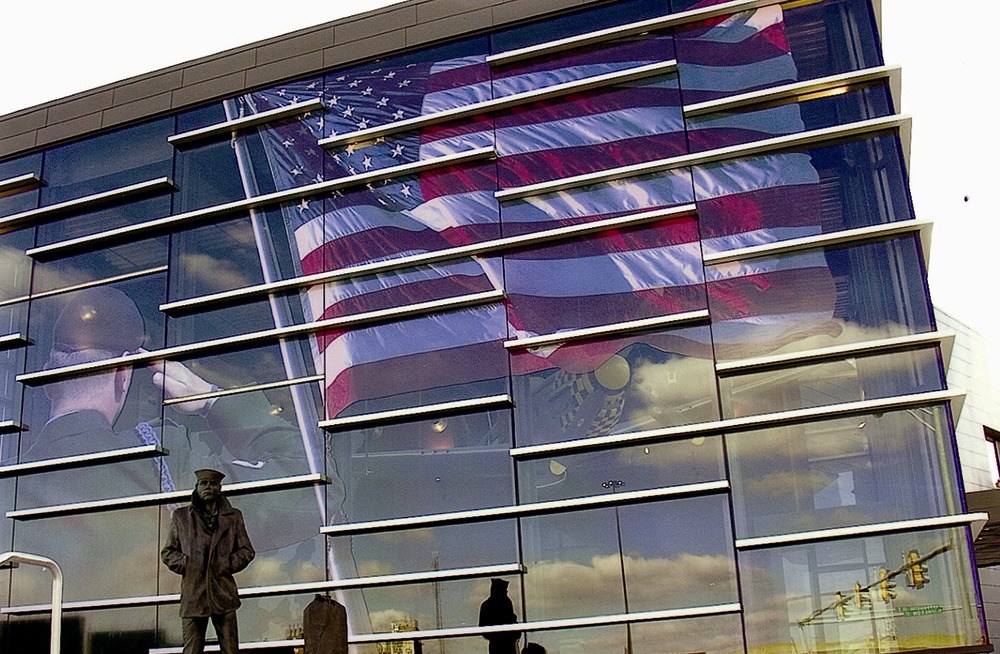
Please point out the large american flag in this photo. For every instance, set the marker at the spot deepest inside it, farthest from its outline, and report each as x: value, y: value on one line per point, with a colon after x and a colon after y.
x: 621, y: 275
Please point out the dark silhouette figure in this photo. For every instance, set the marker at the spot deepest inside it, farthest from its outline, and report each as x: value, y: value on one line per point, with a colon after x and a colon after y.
x: 498, y: 609
x: 533, y: 648
x: 324, y: 626
x: 207, y: 545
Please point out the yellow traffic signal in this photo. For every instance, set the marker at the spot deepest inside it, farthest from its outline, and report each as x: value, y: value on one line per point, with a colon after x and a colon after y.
x: 886, y: 589
x: 861, y: 597
x: 916, y: 571
x: 840, y: 605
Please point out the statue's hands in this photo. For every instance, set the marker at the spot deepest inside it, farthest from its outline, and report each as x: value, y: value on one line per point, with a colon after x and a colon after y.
x: 176, y: 380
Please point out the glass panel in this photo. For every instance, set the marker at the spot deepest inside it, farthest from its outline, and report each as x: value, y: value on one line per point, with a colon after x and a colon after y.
x: 20, y: 200
x: 630, y: 383
x: 13, y: 320
x: 109, y: 161
x: 775, y: 197
x: 862, y: 470
x: 448, y: 463
x: 613, y: 277
x: 436, y: 358
x: 832, y: 382
x: 104, y: 549
x: 233, y: 320
x: 791, y: 593
x: 408, y: 286
x: 242, y: 368
x: 792, y: 116
x: 592, y: 130
x: 574, y: 24
x: 423, y: 549
x: 15, y: 266
x: 671, y: 463
x: 664, y: 555
x: 104, y: 410
x: 116, y: 318
x: 439, y: 605
x: 85, y: 224
x: 817, y: 298
x: 101, y: 264
x: 207, y: 175
x: 596, y: 202
x: 711, y: 635
x: 773, y: 45
x: 436, y: 210
x: 249, y: 436
x: 584, y: 62
x: 214, y: 258
x: 124, y: 631
x: 403, y: 87
x: 95, y: 482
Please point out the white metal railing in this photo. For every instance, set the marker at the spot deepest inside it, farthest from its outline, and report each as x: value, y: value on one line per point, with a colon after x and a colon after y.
x: 13, y: 559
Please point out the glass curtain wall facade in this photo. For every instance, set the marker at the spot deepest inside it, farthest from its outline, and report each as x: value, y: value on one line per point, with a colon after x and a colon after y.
x: 626, y: 307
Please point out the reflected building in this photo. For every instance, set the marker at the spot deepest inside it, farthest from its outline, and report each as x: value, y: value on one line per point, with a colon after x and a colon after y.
x: 623, y: 302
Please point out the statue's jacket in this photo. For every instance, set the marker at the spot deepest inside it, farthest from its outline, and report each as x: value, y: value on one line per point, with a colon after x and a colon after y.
x: 207, y: 561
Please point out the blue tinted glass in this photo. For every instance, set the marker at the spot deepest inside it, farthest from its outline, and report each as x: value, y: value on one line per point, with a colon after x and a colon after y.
x: 424, y: 549
x: 146, y: 329
x: 13, y: 323
x: 597, y: 201
x: 15, y: 272
x: 771, y: 46
x: 790, y: 593
x: 711, y: 635
x: 608, y: 278
x: 832, y: 382
x: 670, y: 463
x: 631, y: 383
x: 863, y: 470
x: 207, y: 174
x: 135, y: 257
x: 108, y: 161
x: 815, y: 298
x: 437, y: 210
x: 590, y: 131
x: 579, y: 23
x: 93, y: 560
x: 93, y: 222
x: 24, y: 198
x: 584, y: 563
x: 719, y: 130
x: 456, y: 604
x: 436, y: 358
x: 775, y: 197
x: 449, y: 463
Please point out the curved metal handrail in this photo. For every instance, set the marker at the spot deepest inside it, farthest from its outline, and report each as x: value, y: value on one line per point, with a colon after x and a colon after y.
x: 12, y: 559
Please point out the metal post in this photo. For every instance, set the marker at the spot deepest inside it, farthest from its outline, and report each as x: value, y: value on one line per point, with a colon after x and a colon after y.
x: 13, y: 559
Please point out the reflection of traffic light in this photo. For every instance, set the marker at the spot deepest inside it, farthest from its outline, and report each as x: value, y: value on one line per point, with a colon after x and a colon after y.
x: 861, y: 598
x: 886, y: 589
x: 916, y: 571
x: 841, y: 605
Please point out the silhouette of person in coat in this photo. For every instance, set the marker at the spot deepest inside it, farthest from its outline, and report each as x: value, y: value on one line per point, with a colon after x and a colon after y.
x: 498, y: 609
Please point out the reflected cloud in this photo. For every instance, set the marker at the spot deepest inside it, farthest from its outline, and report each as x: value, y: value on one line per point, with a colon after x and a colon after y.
x: 212, y: 273
x: 691, y: 580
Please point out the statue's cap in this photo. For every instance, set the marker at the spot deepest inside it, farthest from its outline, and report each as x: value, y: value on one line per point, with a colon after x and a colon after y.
x: 208, y: 474
x: 101, y: 318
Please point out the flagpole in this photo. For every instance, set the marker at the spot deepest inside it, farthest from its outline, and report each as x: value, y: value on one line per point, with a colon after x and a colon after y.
x: 342, y: 561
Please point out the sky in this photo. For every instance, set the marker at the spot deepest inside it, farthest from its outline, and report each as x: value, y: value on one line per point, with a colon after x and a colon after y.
x: 943, y: 89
